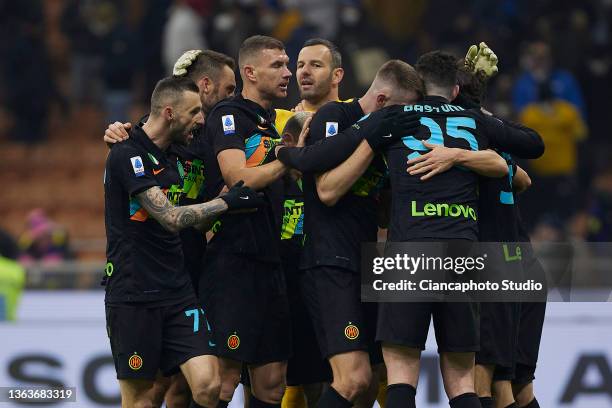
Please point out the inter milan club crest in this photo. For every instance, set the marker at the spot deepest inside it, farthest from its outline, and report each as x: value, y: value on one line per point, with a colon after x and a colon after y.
x: 135, y: 362
x: 351, y: 331
x: 233, y: 342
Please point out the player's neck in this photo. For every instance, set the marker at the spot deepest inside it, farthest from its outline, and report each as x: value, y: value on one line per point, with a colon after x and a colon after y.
x: 158, y: 132
x: 440, y: 93
x: 368, y: 103
x: 252, y: 94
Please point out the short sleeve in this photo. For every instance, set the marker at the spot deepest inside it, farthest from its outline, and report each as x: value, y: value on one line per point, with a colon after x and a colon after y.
x: 226, y: 129
x: 132, y: 171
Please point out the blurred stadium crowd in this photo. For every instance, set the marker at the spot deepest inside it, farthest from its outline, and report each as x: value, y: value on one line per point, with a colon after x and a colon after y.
x: 69, y: 67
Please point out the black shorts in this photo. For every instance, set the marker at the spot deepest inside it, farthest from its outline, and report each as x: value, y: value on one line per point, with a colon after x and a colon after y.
x: 530, y: 335
x: 145, y: 339
x: 341, y: 321
x: 457, y: 325
x: 499, y: 325
x: 247, y: 308
x: 307, y: 366
x: 530, y: 330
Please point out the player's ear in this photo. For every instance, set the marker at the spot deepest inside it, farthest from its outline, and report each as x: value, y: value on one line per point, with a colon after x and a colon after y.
x: 454, y: 92
x: 249, y: 73
x: 381, y: 100
x: 337, y: 75
x: 168, y: 113
x: 205, y: 84
x: 288, y: 139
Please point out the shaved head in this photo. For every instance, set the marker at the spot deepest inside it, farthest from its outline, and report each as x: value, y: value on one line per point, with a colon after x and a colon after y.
x: 253, y: 46
x: 169, y: 92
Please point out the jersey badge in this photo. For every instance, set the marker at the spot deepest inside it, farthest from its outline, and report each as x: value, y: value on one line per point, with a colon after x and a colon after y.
x: 351, y: 331
x: 138, y: 166
x: 229, y: 127
x: 153, y: 159
x: 331, y: 129
x: 233, y: 342
x: 135, y: 362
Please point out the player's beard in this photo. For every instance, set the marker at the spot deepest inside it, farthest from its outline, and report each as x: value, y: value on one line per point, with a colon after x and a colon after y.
x: 271, y: 94
x: 180, y: 134
x: 318, y: 91
x: 210, y: 101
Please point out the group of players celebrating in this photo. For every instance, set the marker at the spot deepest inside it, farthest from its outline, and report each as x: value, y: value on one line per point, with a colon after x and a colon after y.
x: 287, y: 198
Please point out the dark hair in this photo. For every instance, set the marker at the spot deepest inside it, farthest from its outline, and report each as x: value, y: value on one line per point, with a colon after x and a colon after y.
x: 255, y: 44
x: 209, y: 63
x: 473, y: 87
x: 401, y: 75
x: 295, y: 123
x: 336, y: 57
x: 438, y: 68
x: 169, y: 90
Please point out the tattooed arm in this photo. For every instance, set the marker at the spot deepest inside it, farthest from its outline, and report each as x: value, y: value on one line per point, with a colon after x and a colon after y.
x: 174, y: 218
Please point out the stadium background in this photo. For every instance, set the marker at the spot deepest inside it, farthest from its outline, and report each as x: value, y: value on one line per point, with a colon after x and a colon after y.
x: 67, y: 68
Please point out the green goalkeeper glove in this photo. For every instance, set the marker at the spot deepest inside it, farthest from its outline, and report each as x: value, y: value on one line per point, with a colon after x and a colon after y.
x: 184, y: 62
x: 481, y: 58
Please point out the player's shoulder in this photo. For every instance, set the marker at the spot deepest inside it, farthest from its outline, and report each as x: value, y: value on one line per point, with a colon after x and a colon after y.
x: 344, y: 113
x: 126, y: 155
x: 228, y: 119
x: 124, y: 149
x: 235, y: 106
x: 485, y: 117
x: 223, y: 112
x: 476, y: 113
x: 333, y: 107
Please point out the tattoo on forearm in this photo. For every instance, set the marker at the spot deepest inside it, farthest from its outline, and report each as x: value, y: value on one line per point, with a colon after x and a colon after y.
x: 186, y: 218
x: 158, y: 201
x: 176, y: 218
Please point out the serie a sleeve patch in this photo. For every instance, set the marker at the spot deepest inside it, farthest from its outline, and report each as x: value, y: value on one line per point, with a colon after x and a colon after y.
x: 137, y: 166
x: 331, y: 129
x: 229, y: 125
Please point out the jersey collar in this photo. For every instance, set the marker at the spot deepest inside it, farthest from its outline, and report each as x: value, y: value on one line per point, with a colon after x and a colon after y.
x: 264, y: 117
x: 139, y: 136
x: 434, y: 99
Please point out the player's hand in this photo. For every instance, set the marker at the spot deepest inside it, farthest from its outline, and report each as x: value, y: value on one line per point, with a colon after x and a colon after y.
x: 436, y: 161
x: 241, y: 197
x: 299, y: 107
x: 117, y: 132
x: 394, y: 125
x: 481, y: 58
x: 184, y: 62
x: 304, y: 133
